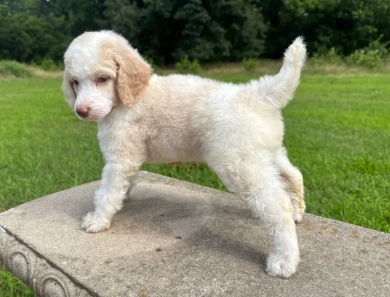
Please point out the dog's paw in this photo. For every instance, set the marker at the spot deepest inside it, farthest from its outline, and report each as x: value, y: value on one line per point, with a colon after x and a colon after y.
x: 299, y: 211
x: 281, y: 265
x: 93, y: 224
x: 298, y: 218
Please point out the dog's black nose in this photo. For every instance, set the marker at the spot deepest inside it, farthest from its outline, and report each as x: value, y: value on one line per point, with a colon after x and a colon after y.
x: 82, y: 111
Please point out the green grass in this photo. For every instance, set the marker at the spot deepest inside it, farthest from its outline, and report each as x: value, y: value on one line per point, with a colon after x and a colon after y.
x: 337, y: 133
x: 12, y: 287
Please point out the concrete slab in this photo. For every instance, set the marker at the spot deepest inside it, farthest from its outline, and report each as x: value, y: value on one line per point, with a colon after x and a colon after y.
x: 174, y: 238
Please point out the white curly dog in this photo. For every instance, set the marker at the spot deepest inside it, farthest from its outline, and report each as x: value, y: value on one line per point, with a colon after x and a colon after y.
x: 236, y: 129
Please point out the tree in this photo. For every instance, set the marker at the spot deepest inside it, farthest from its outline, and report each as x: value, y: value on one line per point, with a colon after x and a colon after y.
x: 345, y: 25
x: 169, y: 30
x: 173, y: 29
x: 13, y: 38
x: 80, y: 16
x: 38, y: 29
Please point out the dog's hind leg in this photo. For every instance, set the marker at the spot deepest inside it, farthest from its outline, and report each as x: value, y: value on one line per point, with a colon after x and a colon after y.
x: 293, y: 181
x: 261, y: 185
x: 273, y: 206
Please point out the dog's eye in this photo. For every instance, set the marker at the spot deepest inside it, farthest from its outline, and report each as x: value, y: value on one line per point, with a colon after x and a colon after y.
x: 75, y: 82
x: 102, y: 79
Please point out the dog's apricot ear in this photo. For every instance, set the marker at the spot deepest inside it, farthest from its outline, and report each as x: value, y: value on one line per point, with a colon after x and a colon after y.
x: 133, y: 75
x: 67, y: 88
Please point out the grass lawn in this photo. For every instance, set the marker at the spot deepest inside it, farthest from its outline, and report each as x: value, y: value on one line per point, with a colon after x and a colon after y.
x: 337, y: 133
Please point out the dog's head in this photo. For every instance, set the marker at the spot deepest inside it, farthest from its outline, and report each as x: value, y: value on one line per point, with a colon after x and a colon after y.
x: 101, y: 70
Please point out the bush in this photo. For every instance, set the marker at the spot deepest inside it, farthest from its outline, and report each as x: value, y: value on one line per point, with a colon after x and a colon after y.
x: 186, y: 66
x: 371, y: 56
x: 49, y: 65
x: 13, y: 68
x: 365, y: 58
x: 331, y: 57
x: 249, y: 64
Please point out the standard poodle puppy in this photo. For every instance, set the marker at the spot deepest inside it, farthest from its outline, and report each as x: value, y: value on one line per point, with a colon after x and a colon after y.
x: 236, y: 129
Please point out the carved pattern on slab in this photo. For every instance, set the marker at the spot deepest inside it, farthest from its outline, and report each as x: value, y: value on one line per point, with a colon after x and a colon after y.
x: 34, y: 271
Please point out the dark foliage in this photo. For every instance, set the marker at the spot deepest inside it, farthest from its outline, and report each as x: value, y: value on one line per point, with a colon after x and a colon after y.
x: 167, y: 31
x: 345, y: 25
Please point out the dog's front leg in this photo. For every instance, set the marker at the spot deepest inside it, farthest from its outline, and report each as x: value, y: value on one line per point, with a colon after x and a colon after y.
x: 109, y: 196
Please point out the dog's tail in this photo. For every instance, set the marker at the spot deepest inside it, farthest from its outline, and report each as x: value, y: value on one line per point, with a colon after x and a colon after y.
x: 279, y: 89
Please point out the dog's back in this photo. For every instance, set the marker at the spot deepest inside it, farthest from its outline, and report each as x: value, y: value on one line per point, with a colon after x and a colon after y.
x: 190, y: 113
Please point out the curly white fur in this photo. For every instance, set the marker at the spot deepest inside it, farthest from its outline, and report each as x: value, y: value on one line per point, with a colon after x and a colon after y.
x: 236, y: 129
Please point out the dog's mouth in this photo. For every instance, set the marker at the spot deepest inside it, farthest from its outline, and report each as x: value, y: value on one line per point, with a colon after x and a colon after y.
x: 90, y: 115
